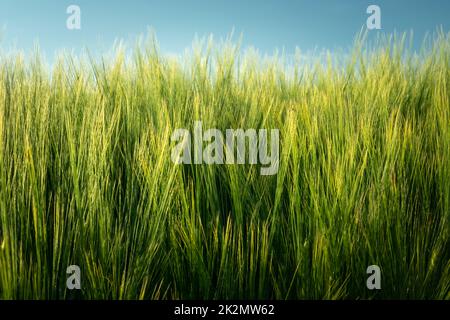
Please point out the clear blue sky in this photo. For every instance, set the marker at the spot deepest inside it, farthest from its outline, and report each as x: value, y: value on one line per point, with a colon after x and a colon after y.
x: 265, y: 24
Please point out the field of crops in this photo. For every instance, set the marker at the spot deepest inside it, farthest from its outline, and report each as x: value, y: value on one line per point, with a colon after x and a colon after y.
x: 86, y: 176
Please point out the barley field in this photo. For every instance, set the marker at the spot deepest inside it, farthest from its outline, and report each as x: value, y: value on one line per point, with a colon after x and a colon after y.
x: 86, y: 176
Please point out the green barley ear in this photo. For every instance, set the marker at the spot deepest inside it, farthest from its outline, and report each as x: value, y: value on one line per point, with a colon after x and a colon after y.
x: 86, y: 177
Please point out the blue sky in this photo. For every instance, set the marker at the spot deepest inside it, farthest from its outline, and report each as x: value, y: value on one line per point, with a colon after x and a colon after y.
x: 265, y: 24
